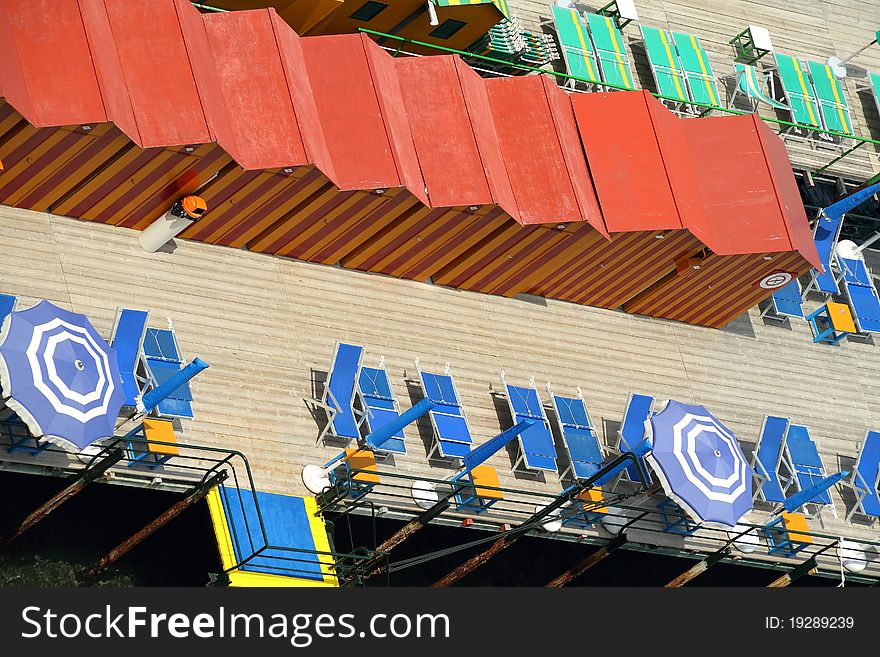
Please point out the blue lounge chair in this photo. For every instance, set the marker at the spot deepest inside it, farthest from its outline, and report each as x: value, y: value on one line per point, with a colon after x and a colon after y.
x: 768, y: 456
x: 805, y: 465
x: 785, y: 302
x: 160, y: 354
x: 865, y: 478
x: 7, y: 305
x: 585, y: 455
x: 339, y: 392
x: 825, y: 234
x: 379, y: 405
x: 536, y: 449
x: 862, y: 294
x: 632, y: 428
x: 129, y: 329
x: 452, y: 436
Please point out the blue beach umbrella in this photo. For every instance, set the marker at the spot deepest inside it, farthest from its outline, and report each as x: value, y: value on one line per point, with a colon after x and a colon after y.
x: 700, y: 464
x: 59, y: 375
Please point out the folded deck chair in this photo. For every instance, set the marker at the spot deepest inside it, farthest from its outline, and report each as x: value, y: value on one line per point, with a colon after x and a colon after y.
x: 698, y: 73
x: 798, y: 91
x: 585, y: 456
x: 129, y: 329
x: 832, y: 102
x: 861, y: 293
x: 805, y: 465
x: 825, y: 234
x: 339, y: 394
x: 452, y: 436
x: 7, y: 305
x: 379, y: 405
x: 785, y: 301
x: 865, y: 478
x: 610, y: 51
x: 632, y: 429
x: 753, y: 84
x: 536, y: 449
x: 577, y: 48
x: 767, y: 458
x: 160, y: 354
x: 665, y: 65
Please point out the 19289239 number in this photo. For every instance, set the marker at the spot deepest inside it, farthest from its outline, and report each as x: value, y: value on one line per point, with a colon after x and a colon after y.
x: 821, y: 622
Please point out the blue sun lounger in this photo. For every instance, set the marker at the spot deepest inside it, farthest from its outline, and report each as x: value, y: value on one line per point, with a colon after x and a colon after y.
x: 865, y: 478
x: 825, y: 234
x: 452, y: 436
x: 161, y: 357
x: 786, y: 301
x: 7, y: 305
x: 862, y: 295
x: 129, y: 329
x: 768, y: 456
x: 585, y: 456
x: 379, y: 405
x: 536, y: 449
x: 804, y: 463
x: 339, y: 394
x: 632, y: 428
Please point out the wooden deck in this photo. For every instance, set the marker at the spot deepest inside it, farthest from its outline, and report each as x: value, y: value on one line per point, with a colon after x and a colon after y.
x: 268, y: 325
x: 811, y: 30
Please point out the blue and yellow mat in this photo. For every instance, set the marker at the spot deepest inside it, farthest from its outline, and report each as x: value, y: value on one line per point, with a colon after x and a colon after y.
x: 294, y: 550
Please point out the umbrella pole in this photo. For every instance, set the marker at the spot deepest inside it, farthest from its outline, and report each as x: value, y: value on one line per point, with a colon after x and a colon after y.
x: 85, y: 477
x: 579, y: 569
x: 179, y: 507
x: 808, y: 567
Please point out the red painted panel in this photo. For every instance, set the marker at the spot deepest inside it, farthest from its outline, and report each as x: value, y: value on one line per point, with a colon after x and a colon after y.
x: 349, y: 113
x: 263, y: 123
x: 52, y: 51
x: 573, y: 155
x: 625, y: 161
x: 477, y: 101
x: 108, y: 69
x: 796, y: 222
x: 300, y: 88
x: 157, y: 73
x: 394, y: 113
x: 441, y: 130
x: 531, y: 151
x: 735, y: 186
x: 12, y: 83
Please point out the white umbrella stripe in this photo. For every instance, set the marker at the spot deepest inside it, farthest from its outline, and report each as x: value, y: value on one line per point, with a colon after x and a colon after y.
x: 49, y: 360
x: 691, y: 450
x: 685, y: 464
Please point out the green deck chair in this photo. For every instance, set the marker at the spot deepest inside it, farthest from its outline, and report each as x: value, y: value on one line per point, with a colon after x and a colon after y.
x: 611, y: 51
x: 832, y: 102
x: 749, y: 83
x: 697, y: 70
x: 798, y: 91
x: 577, y: 49
x: 665, y: 66
x: 874, y: 81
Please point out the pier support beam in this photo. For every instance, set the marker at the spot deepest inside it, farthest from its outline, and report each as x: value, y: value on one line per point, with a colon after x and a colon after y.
x: 808, y: 567
x: 580, y: 568
x: 698, y: 568
x: 179, y: 507
x: 82, y: 479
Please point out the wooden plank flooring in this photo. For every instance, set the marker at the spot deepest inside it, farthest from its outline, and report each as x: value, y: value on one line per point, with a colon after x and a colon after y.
x: 267, y: 325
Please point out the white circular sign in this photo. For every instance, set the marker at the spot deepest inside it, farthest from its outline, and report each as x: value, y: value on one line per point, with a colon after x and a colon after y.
x: 776, y: 279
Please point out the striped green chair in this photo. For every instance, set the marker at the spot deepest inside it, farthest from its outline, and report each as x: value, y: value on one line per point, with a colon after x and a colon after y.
x: 832, y: 101
x: 697, y: 70
x: 874, y: 81
x: 611, y: 52
x: 750, y: 83
x: 577, y: 48
x: 798, y: 91
x: 665, y: 65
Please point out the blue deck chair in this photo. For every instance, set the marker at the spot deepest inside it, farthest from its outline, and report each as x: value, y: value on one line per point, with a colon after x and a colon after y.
x: 129, y: 329
x: 865, y: 478
x: 379, y: 405
x: 768, y: 456
x: 825, y: 234
x: 161, y: 357
x: 452, y: 435
x: 805, y: 465
x: 343, y: 422
x: 632, y: 428
x: 7, y: 305
x: 585, y: 455
x: 862, y: 295
x: 785, y: 302
x: 536, y: 449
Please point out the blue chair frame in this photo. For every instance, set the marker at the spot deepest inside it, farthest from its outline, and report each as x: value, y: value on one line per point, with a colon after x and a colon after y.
x: 805, y: 468
x: 127, y: 339
x: 578, y: 433
x: 865, y: 478
x: 861, y: 294
x: 338, y: 396
x: 537, y: 452
x: 452, y: 434
x: 639, y: 409
x: 379, y: 405
x: 160, y: 354
x: 768, y: 456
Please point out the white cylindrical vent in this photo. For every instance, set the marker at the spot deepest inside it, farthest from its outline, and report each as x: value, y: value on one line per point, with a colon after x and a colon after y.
x: 183, y: 214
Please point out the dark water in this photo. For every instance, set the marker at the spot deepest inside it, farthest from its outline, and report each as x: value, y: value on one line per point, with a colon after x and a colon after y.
x: 81, y: 531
